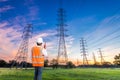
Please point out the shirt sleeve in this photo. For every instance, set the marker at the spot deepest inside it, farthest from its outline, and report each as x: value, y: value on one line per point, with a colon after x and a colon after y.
x: 44, y: 51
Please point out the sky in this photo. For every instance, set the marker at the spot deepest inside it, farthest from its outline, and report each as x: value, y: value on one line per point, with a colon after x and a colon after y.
x: 97, y: 21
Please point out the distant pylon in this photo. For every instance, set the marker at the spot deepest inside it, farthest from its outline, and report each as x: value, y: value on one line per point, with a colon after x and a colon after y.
x: 101, y: 56
x: 77, y: 62
x: 22, y: 54
x: 83, y: 51
x: 94, y: 58
x: 62, y: 52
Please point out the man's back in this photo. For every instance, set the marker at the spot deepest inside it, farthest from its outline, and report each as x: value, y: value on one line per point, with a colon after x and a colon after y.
x: 37, y: 57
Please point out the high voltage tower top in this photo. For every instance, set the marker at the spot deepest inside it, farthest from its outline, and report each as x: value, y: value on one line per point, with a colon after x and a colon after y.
x: 101, y: 56
x: 22, y: 54
x: 62, y: 52
x: 83, y: 51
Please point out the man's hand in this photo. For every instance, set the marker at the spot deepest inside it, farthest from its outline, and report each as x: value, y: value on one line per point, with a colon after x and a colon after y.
x: 45, y: 45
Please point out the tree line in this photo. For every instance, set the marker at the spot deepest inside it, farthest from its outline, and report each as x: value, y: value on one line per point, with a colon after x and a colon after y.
x: 54, y: 64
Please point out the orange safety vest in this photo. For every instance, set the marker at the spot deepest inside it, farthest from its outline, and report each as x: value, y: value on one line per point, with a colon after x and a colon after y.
x: 37, y: 57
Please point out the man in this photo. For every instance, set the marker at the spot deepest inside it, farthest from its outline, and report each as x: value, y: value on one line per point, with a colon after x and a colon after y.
x: 38, y: 54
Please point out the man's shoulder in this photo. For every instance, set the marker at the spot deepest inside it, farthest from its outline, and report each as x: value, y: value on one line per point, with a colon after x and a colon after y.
x: 34, y: 46
x: 37, y: 47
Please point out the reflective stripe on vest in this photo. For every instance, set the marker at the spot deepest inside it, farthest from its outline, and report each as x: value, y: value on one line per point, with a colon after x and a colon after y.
x: 38, y: 62
x: 37, y: 57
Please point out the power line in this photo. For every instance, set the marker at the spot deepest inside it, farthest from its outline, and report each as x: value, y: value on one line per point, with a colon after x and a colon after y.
x: 111, y: 21
x: 109, y: 40
x: 112, y: 49
x: 107, y: 35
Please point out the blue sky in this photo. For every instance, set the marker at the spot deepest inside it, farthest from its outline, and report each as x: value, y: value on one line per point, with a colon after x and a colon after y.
x: 98, y: 21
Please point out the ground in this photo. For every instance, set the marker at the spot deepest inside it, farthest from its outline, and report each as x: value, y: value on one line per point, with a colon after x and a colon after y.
x: 62, y: 74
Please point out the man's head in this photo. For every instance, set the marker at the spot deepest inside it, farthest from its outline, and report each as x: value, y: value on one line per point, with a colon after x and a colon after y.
x: 39, y: 41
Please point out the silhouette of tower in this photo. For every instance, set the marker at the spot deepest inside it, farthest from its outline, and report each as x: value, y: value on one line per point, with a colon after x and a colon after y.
x: 77, y: 62
x: 94, y: 58
x: 20, y: 59
x: 83, y: 51
x: 101, y: 56
x: 62, y: 52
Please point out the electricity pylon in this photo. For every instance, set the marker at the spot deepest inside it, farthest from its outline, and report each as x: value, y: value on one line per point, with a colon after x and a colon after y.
x: 101, y: 56
x: 83, y: 51
x: 20, y: 59
x: 94, y: 58
x: 62, y: 52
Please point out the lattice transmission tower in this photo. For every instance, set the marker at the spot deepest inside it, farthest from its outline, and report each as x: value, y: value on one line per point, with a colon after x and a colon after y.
x: 20, y: 60
x: 83, y: 51
x: 62, y: 52
x: 101, y: 56
x: 94, y: 58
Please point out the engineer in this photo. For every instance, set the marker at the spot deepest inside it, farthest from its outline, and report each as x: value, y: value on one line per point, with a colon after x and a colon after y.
x: 39, y: 53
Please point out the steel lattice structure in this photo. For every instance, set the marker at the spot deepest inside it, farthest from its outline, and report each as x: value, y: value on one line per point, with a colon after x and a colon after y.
x: 62, y: 52
x: 22, y: 54
x: 101, y: 56
x: 83, y: 51
x: 94, y: 58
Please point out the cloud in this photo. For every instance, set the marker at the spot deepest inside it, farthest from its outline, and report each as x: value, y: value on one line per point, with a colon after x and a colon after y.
x: 46, y: 33
x: 3, y: 0
x: 33, y: 10
x: 18, y: 21
x: 30, y: 2
x: 33, y: 13
x: 3, y: 24
x: 40, y: 23
x: 47, y: 36
x: 8, y: 35
x: 6, y: 8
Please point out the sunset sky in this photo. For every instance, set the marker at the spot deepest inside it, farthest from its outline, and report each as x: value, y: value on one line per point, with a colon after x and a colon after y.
x: 98, y: 21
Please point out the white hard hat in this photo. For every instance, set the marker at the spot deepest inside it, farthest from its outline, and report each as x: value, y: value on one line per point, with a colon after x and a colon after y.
x: 39, y: 40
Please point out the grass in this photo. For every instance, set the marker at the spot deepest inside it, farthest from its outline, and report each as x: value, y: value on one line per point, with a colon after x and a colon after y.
x: 62, y: 74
